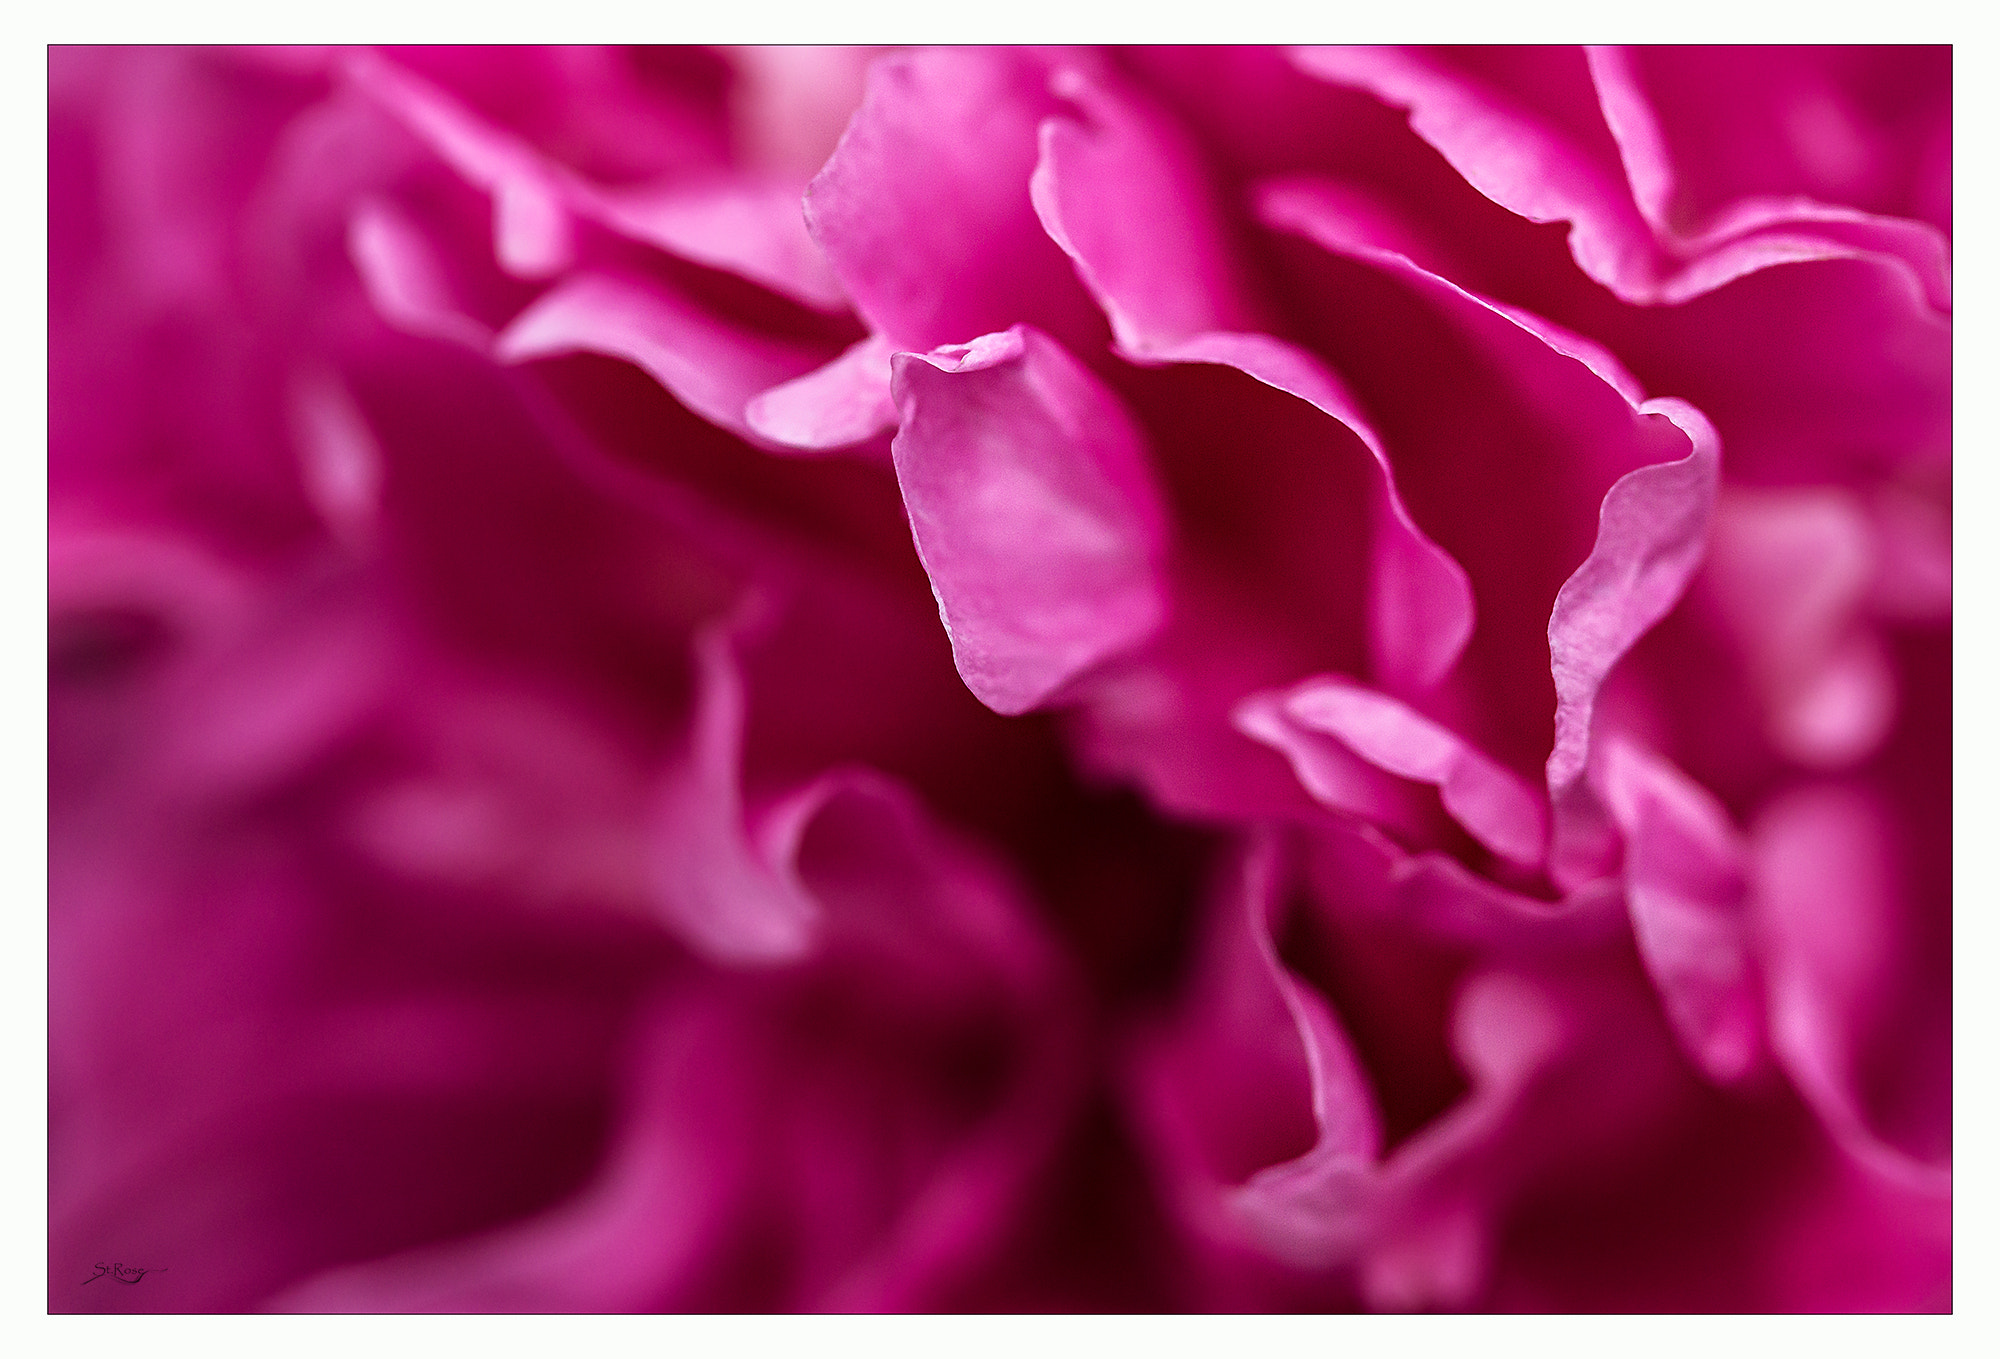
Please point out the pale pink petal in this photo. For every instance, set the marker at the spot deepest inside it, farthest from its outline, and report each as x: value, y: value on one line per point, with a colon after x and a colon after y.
x: 1652, y: 531
x: 1033, y: 510
x: 754, y: 230
x: 1491, y: 802
x: 711, y: 367
x: 843, y: 403
x: 1685, y: 881
x: 789, y: 105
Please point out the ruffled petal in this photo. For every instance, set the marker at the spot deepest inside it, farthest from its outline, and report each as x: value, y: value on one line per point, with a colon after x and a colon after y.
x: 1542, y: 163
x: 711, y: 367
x: 1419, y: 605
x: 1652, y: 532
x: 1850, y: 1023
x: 1685, y: 881
x: 843, y: 403
x: 1491, y: 802
x: 1111, y: 171
x: 1033, y: 510
x: 754, y: 230
x: 923, y: 210
x: 1717, y: 148
x: 724, y: 898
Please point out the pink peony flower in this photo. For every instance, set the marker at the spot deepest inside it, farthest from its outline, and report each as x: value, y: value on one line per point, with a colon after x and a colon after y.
x: 1222, y: 679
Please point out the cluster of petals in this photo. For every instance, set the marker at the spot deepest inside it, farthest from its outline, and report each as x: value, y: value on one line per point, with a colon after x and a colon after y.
x: 984, y: 679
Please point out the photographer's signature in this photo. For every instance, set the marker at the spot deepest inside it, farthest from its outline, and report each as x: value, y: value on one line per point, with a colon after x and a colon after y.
x: 125, y: 1274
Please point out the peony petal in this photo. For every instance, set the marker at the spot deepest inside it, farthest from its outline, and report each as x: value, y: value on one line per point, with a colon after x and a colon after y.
x: 843, y: 403
x: 762, y: 1100
x: 1790, y: 574
x: 532, y: 231
x: 1543, y: 167
x: 406, y: 280
x: 1033, y: 511
x: 1652, y: 531
x: 1420, y: 609
x: 1334, y: 773
x: 754, y: 230
x: 1833, y: 933
x: 1491, y: 802
x: 1113, y: 171
x: 1560, y: 409
x: 1314, y: 1209
x: 712, y: 368
x: 923, y: 211
x: 1717, y: 148
x: 716, y: 891
x: 1256, y: 1105
x: 1553, y: 139
x: 661, y: 1201
x: 1685, y: 875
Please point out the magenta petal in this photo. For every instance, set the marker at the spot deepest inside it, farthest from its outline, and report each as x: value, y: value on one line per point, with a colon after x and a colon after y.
x: 710, y: 367
x: 1491, y: 802
x: 756, y: 1100
x: 1685, y: 877
x: 1790, y: 574
x: 1709, y: 160
x: 1520, y: 160
x: 1832, y: 929
x: 1312, y: 1210
x: 1253, y: 1098
x: 1420, y: 609
x: 717, y: 892
x: 662, y: 1199
x: 754, y: 230
x: 923, y: 210
x: 1112, y: 171
x: 533, y: 235
x: 1033, y: 510
x: 835, y: 406
x: 406, y: 280
x: 1651, y: 533
x: 1334, y: 773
